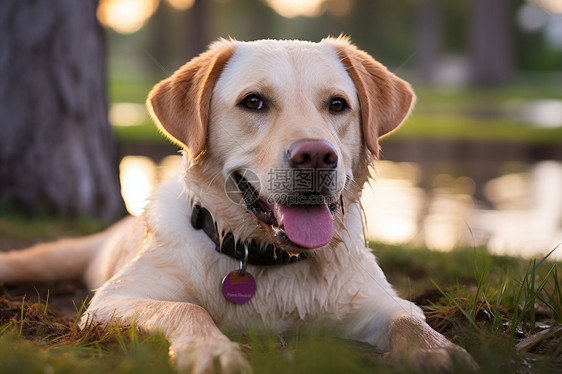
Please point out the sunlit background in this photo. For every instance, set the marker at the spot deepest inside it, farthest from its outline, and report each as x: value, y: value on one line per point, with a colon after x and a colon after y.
x: 128, y: 16
x: 479, y: 162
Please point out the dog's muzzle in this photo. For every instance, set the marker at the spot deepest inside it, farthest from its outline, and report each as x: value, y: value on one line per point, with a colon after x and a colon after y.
x: 301, y: 200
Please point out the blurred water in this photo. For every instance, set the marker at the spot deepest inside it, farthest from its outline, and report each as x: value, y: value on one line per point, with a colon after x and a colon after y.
x: 520, y: 212
x: 140, y: 175
x: 545, y: 113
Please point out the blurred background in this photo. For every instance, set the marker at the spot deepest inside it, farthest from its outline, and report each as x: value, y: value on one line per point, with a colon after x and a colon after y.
x: 478, y: 163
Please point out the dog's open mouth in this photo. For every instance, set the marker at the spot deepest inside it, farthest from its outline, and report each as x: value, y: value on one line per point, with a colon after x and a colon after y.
x: 295, y: 226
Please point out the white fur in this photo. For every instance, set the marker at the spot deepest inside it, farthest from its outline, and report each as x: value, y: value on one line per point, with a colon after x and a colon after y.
x: 342, y: 287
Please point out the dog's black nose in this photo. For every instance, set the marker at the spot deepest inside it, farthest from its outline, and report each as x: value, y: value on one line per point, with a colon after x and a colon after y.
x: 312, y: 154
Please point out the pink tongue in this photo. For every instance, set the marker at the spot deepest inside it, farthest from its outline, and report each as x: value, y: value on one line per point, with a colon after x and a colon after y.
x: 310, y: 226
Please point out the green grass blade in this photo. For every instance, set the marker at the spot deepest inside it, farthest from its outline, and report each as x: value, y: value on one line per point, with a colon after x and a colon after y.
x: 83, y: 307
x: 532, y: 293
x: 46, y: 303
x: 558, y: 293
x: 547, y: 256
x: 519, y: 299
x: 480, y: 284
x: 5, y: 327
x: 21, y: 315
x: 468, y: 316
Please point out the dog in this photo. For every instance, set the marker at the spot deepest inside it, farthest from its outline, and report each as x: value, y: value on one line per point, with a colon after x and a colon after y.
x: 277, y: 139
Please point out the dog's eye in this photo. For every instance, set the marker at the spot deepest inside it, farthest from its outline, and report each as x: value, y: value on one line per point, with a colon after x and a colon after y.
x: 253, y: 102
x: 338, y: 105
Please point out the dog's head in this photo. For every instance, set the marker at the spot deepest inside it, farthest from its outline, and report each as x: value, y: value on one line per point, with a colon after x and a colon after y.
x: 293, y: 124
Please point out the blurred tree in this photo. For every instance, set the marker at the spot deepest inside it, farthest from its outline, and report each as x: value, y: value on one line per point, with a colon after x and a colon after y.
x: 245, y: 20
x: 198, y: 17
x: 163, y: 39
x: 490, y: 38
x: 176, y: 36
x: 428, y: 38
x: 385, y: 29
x: 56, y: 145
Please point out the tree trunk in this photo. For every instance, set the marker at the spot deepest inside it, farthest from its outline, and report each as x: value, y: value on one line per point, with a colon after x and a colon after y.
x: 490, y: 43
x: 198, y: 18
x: 427, y: 38
x: 57, y: 149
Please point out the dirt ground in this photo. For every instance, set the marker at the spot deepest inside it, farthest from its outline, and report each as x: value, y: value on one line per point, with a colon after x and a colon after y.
x: 64, y: 298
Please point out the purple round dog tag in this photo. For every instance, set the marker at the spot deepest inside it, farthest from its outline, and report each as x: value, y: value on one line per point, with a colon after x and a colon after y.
x: 238, y: 288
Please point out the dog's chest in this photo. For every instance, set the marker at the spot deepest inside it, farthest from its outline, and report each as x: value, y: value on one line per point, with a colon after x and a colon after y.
x: 287, y: 297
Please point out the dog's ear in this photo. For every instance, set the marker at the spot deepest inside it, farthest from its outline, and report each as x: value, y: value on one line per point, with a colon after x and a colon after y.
x: 180, y: 104
x: 385, y: 99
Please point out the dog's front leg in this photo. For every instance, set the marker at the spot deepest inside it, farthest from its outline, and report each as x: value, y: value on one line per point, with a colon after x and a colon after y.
x: 413, y: 341
x: 397, y: 327
x: 196, y: 343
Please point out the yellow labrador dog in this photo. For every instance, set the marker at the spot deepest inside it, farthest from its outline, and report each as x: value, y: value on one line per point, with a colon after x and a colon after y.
x: 263, y: 227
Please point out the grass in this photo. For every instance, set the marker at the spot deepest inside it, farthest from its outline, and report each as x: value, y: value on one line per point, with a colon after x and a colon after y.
x: 17, y: 228
x: 466, y: 128
x: 491, y: 305
x: 110, y: 351
x: 124, y: 88
x: 145, y: 133
x: 477, y: 115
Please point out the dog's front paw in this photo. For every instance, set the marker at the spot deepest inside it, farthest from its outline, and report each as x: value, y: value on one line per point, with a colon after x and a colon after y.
x: 441, y: 359
x: 413, y: 341
x: 198, y: 357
